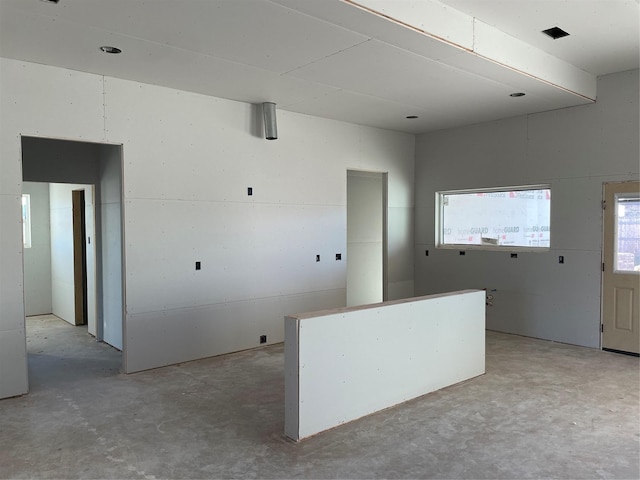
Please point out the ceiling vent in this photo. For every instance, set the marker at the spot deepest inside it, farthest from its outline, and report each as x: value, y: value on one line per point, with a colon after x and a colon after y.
x: 555, y: 33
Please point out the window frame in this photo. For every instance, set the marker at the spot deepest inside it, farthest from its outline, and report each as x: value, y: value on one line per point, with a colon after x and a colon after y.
x: 439, y: 216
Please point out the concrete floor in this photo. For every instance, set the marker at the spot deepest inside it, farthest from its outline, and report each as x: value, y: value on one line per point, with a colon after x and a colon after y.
x: 543, y: 410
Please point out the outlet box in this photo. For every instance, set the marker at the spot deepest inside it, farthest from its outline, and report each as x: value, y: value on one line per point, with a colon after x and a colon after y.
x: 263, y: 339
x: 198, y: 266
x: 338, y: 256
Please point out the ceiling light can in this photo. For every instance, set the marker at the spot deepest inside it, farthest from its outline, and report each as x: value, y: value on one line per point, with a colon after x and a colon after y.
x: 108, y: 49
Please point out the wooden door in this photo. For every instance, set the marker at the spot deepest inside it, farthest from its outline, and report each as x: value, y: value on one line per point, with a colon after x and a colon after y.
x: 79, y: 258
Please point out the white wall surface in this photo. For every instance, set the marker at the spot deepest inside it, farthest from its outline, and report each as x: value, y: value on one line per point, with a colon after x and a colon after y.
x: 365, y: 246
x: 109, y: 226
x: 188, y: 160
x: 404, y: 349
x: 37, y: 259
x: 575, y: 150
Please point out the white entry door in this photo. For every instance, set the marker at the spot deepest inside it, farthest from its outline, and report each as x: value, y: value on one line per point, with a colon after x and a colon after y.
x: 621, y: 269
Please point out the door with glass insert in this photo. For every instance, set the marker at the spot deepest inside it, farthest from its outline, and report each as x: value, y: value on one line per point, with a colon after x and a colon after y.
x: 621, y: 269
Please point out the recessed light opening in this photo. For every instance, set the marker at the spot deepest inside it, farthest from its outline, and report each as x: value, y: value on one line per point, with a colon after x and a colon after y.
x: 411, y: 117
x: 555, y: 33
x: 517, y: 94
x: 107, y: 49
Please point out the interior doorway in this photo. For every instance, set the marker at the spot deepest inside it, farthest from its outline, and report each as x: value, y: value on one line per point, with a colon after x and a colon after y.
x: 366, y: 237
x: 74, y: 165
x: 621, y: 268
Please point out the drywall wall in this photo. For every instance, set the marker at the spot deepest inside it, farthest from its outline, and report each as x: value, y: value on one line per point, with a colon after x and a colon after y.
x: 365, y: 240
x: 405, y: 349
x: 109, y: 241
x: 37, y: 259
x: 188, y: 161
x: 257, y: 252
x: 575, y: 150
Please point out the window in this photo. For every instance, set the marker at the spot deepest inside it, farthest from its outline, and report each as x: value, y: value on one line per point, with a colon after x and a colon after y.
x: 494, y: 218
x: 627, y: 243
x: 26, y: 220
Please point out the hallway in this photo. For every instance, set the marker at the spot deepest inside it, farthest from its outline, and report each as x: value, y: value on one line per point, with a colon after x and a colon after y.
x: 542, y: 410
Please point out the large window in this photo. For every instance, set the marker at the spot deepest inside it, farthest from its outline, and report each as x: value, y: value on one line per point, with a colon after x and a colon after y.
x: 494, y: 218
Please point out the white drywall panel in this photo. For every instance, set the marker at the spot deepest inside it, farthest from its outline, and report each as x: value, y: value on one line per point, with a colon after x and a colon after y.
x: 398, y: 290
x: 11, y: 300
x: 405, y: 349
x: 575, y: 150
x: 90, y: 257
x: 365, y: 256
x: 109, y: 233
x: 527, y: 297
x: 13, y: 354
x: 111, y: 243
x: 364, y: 273
x: 153, y: 340
x: 62, y: 273
x: 244, y: 249
x: 37, y: 259
x: 13, y: 363
x: 400, y: 236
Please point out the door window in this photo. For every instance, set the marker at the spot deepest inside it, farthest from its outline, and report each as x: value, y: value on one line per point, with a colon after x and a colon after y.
x: 627, y: 231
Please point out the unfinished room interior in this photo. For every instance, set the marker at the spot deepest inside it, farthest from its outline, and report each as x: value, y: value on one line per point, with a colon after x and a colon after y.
x: 319, y: 239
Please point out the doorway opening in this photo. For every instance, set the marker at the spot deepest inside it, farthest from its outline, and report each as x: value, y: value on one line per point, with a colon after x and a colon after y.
x: 621, y: 268
x: 366, y: 237
x: 81, y: 225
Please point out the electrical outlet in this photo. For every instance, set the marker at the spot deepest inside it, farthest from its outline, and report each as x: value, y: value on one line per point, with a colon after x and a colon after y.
x: 198, y: 266
x: 317, y: 258
x: 250, y: 191
x: 561, y: 259
x: 263, y: 339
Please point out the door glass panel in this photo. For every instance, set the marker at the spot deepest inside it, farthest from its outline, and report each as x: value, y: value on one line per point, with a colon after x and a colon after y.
x: 627, y: 242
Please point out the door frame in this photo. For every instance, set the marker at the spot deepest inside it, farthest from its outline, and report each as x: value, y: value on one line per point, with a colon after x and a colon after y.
x: 384, y: 182
x: 608, y: 255
x: 79, y: 257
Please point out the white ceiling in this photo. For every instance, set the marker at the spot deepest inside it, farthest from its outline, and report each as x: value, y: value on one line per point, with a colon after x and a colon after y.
x: 371, y: 62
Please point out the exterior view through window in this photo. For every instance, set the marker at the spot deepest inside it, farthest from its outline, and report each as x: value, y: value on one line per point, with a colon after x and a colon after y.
x: 26, y: 220
x: 495, y: 218
x: 627, y: 234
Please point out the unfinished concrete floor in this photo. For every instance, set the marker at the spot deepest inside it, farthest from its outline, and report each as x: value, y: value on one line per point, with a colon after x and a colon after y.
x: 543, y: 410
